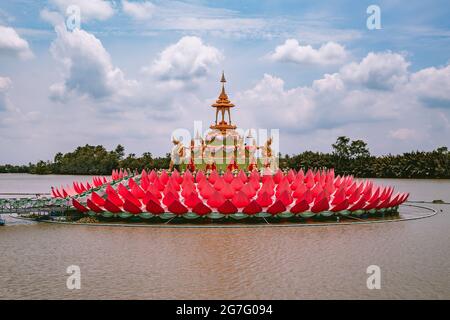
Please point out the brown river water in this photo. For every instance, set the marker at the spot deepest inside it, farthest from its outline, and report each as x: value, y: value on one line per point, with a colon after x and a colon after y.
x: 242, y: 263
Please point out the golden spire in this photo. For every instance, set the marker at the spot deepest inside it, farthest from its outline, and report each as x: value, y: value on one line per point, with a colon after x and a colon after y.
x: 223, y: 100
x: 223, y: 78
x: 223, y: 105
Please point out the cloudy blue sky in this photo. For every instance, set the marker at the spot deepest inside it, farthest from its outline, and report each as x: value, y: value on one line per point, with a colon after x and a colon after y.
x: 136, y: 70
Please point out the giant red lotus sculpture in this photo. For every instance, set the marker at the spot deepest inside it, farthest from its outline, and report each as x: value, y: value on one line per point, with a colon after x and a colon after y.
x: 239, y: 195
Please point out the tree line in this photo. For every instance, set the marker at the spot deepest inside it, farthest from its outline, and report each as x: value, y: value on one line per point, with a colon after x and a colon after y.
x: 347, y: 157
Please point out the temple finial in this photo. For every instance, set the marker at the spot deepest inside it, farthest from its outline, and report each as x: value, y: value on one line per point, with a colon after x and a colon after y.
x: 223, y: 78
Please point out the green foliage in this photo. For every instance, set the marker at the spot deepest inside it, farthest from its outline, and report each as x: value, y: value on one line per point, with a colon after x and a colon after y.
x: 90, y: 160
x: 347, y: 157
x: 353, y: 157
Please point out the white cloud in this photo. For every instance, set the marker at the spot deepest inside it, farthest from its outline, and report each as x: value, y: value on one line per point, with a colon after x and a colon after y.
x: 432, y: 85
x: 52, y: 17
x: 377, y: 71
x: 139, y: 10
x: 403, y: 134
x: 87, y: 67
x: 12, y: 44
x: 185, y: 62
x: 89, y: 9
x: 330, y: 53
x: 5, y: 85
x: 349, y: 96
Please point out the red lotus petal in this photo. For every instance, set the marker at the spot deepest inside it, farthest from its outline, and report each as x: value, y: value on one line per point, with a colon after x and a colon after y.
x: 207, y: 191
x: 242, y: 176
x: 164, y: 177
x: 371, y: 205
x: 374, y: 196
x: 91, y: 205
x: 267, y: 188
x: 358, y: 205
x: 240, y: 200
x: 405, y: 198
x: 158, y: 184
x: 154, y: 191
x: 131, y: 183
x: 286, y: 198
x: 149, y: 196
x: 300, y: 206
x: 393, y: 200
x: 291, y: 176
x: 114, y: 198
x: 154, y: 207
x: 137, y: 192
x: 351, y: 189
x: 177, y: 207
x: 188, y: 176
x: 216, y: 200
x: 254, y: 183
x: 284, y: 184
x: 227, y: 191
x: 59, y: 195
x: 97, y: 199
x: 201, y: 184
x: 192, y: 200
x: 79, y: 206
x: 187, y: 190
x: 237, y: 184
x: 176, y: 176
x: 299, y: 191
x: 276, y: 208
x: 248, y: 190
x: 277, y: 176
x: 354, y: 197
x: 383, y: 204
x: 343, y: 205
x: 171, y: 187
x: 111, y: 207
x: 174, y: 183
x: 200, y: 176
x: 126, y: 194
x: 295, y: 184
x: 252, y: 208
x: 152, y: 176
x: 264, y: 199
x: 255, y: 175
x: 201, y: 209
x: 169, y: 198
x: 329, y: 187
x: 144, y: 183
x: 317, y: 189
x: 227, y: 208
x: 213, y: 177
x: 219, y: 184
x: 228, y: 176
x: 339, y: 196
x: 131, y: 207
x: 320, y: 205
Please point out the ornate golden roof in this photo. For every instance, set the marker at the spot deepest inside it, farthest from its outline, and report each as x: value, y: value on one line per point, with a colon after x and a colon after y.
x: 223, y: 105
x: 223, y: 101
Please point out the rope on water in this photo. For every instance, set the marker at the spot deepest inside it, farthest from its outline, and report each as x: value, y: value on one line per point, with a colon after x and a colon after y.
x: 428, y: 202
